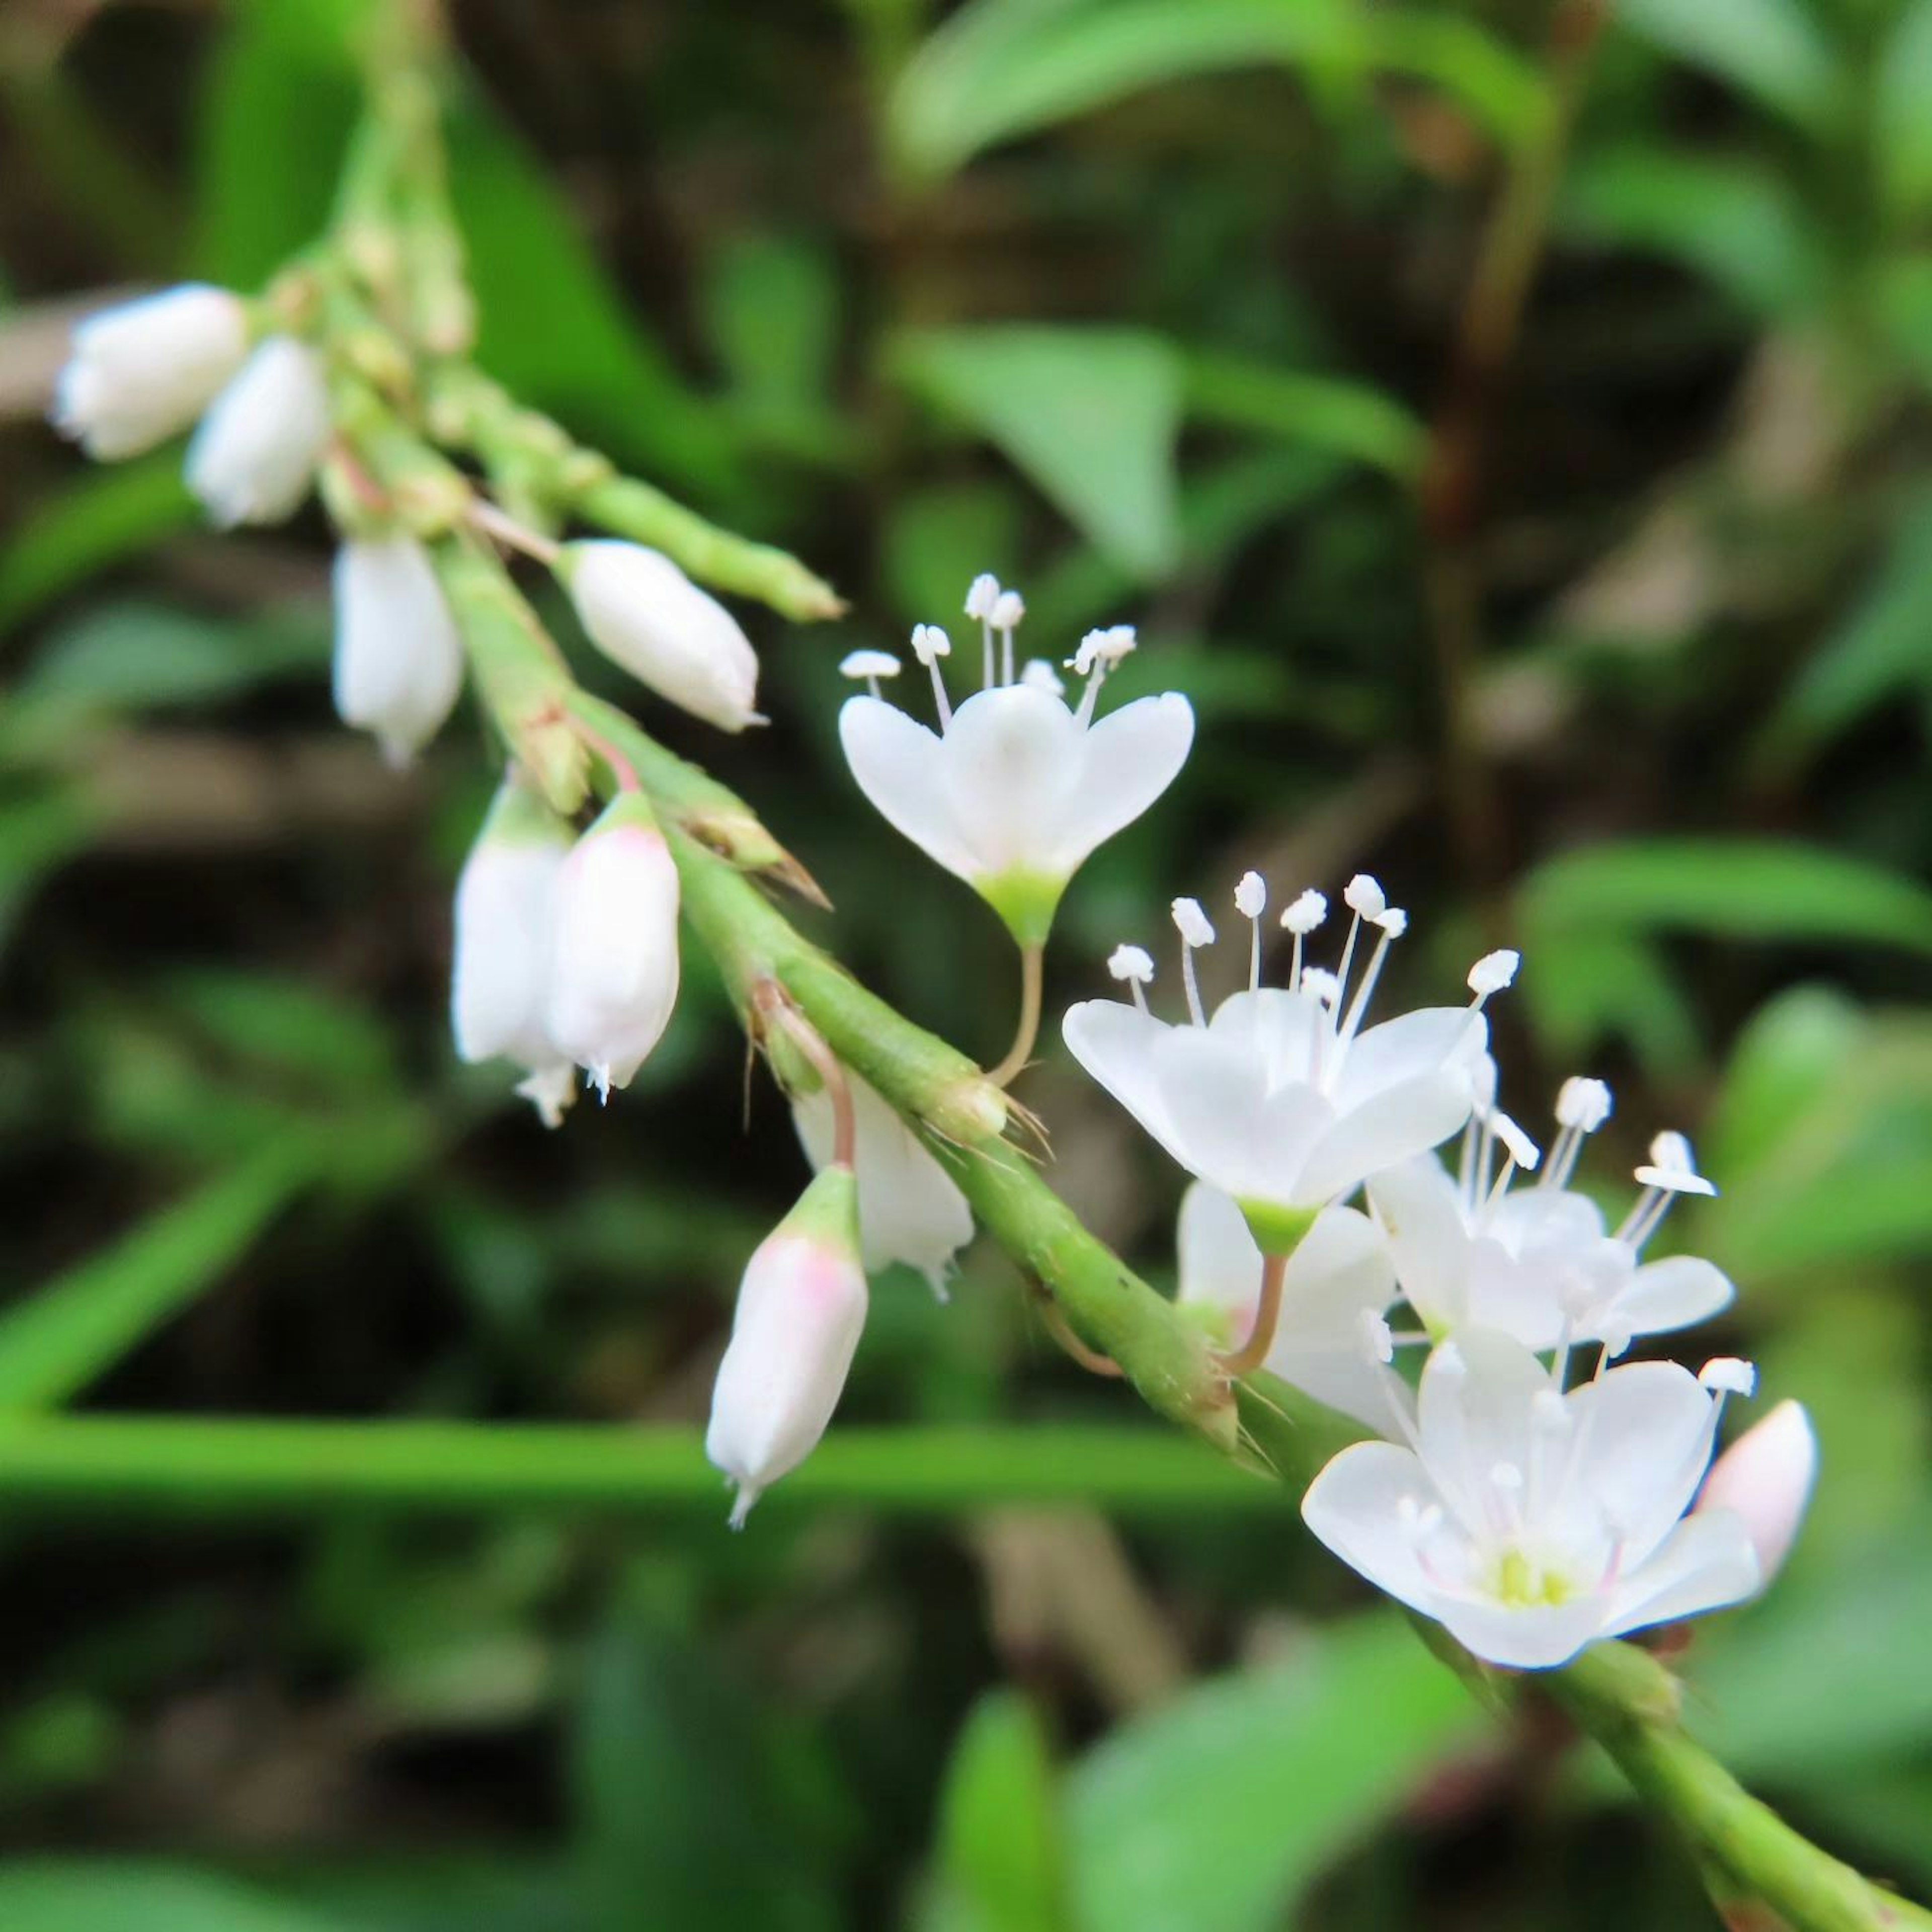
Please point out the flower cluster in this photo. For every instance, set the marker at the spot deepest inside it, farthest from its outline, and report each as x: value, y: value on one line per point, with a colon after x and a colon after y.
x: 1529, y: 1509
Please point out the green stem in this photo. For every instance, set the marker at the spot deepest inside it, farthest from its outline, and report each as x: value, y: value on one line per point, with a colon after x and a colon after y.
x: 277, y: 1469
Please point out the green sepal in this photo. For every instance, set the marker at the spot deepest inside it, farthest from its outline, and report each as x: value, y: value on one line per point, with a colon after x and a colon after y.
x: 1025, y: 901
x: 626, y: 810
x: 1277, y: 1230
x: 827, y: 1213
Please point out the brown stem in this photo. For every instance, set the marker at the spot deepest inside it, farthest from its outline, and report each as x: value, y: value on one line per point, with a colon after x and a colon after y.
x: 775, y: 1005
x: 1031, y: 958
x: 1056, y: 1325
x: 486, y: 516
x: 621, y: 769
x: 1253, y: 1352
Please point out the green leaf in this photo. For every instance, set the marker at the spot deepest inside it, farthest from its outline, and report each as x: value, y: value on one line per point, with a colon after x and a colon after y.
x: 1215, y: 1811
x: 999, y: 69
x: 1584, y: 988
x: 1902, y: 107
x: 1090, y: 415
x: 1770, y: 49
x: 69, y: 1895
x: 73, y: 535
x: 1727, y: 218
x: 1322, y: 412
x: 60, y: 1337
x: 1001, y: 1865
x: 1735, y: 888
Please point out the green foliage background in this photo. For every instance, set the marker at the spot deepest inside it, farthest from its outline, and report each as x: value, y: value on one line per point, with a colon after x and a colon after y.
x: 1152, y: 309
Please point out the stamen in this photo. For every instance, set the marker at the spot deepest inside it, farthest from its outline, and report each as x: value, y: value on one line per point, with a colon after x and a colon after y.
x: 1492, y: 973
x: 983, y: 595
x: 1729, y: 1375
x: 1134, y: 965
x: 1519, y: 1151
x: 1008, y: 610
x: 1192, y: 924
x: 1392, y: 924
x: 871, y: 665
x: 1364, y: 899
x: 1301, y: 918
x: 929, y: 644
x: 1100, y: 651
x: 1038, y: 675
x: 1251, y: 901
x: 1582, y: 1106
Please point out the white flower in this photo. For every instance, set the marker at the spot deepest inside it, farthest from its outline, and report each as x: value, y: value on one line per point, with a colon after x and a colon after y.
x: 253, y: 458
x: 1283, y: 1099
x: 1537, y: 1262
x: 910, y: 1211
x: 1765, y: 1478
x: 398, y: 658
x: 643, y: 612
x: 801, y: 1308
x: 1339, y: 1273
x: 614, y: 967
x: 505, y: 906
x: 142, y: 371
x: 1016, y: 789
x: 1529, y: 1522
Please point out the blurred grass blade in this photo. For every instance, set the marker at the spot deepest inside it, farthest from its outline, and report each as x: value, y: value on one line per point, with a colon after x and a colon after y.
x: 1217, y: 1810
x: 1902, y: 143
x: 1001, y: 1860
x: 61, y: 1337
x: 999, y: 69
x: 104, y: 517
x: 1090, y: 415
x: 1324, y: 412
x: 1738, y: 888
x: 1772, y: 50
x: 112, y: 1895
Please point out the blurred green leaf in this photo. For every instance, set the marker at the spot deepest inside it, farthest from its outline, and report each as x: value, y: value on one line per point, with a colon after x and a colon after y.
x: 439, y: 1891
x: 1090, y: 415
x: 1323, y: 412
x: 287, y: 1026
x: 104, y: 516
x: 1001, y: 1863
x: 38, y: 834
x: 998, y: 69
x: 1214, y: 1811
x: 1736, y: 888
x: 1726, y: 218
x: 1582, y: 989
x: 1902, y: 113
x: 1772, y: 50
x: 114, y: 1895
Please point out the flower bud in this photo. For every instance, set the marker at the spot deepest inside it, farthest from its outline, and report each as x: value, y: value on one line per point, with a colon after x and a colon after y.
x: 505, y: 905
x: 1765, y: 1476
x: 614, y: 966
x: 142, y: 371
x: 398, y: 658
x: 801, y: 1306
x: 254, y: 457
x: 643, y: 612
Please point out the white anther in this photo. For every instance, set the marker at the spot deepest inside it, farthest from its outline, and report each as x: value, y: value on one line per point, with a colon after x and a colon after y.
x: 1008, y: 610
x: 929, y: 643
x: 1582, y: 1104
x: 1131, y: 963
x: 1038, y: 675
x: 1377, y: 1337
x: 1305, y: 914
x: 1516, y: 1143
x: 1673, y: 1168
x: 869, y: 663
x: 981, y: 596
x: 1394, y: 922
x: 1727, y: 1374
x: 1321, y: 985
x: 1492, y: 973
x: 1364, y: 897
x: 1191, y: 922
x: 1251, y: 895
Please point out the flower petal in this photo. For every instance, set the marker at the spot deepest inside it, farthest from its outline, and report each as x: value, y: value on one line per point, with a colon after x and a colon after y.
x: 1421, y: 1207
x: 1220, y: 1264
x: 1529, y: 1637
x: 1426, y: 1041
x: 1115, y: 1043
x: 1009, y: 770
x: 1126, y: 761
x: 1643, y: 1442
x: 1226, y: 1127
x: 1355, y: 1506
x: 1706, y: 1562
x: 896, y: 761
x: 1397, y: 1123
x: 1475, y: 1411
x: 1673, y: 1294
x: 1341, y: 1271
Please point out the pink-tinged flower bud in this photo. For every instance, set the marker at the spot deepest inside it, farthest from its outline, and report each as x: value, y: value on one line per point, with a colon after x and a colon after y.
x: 1765, y: 1476
x: 801, y: 1307
x: 253, y: 458
x: 506, y: 908
x: 614, y: 963
x: 643, y: 612
x: 398, y: 657
x: 142, y: 371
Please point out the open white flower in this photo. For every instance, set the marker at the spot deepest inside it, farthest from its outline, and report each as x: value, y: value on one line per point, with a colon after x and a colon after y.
x: 910, y: 1211
x: 1530, y: 1522
x: 1283, y: 1099
x: 253, y: 458
x: 1766, y: 1477
x: 398, y: 664
x: 143, y: 370
x: 1016, y: 789
x: 1537, y: 1263
x: 1340, y: 1273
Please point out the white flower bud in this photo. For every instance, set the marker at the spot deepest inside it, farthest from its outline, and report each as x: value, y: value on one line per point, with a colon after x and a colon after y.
x: 801, y: 1308
x: 643, y: 612
x: 613, y: 964
x: 1765, y: 1476
x: 254, y: 457
x: 142, y: 371
x: 398, y: 658
x: 506, y: 904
